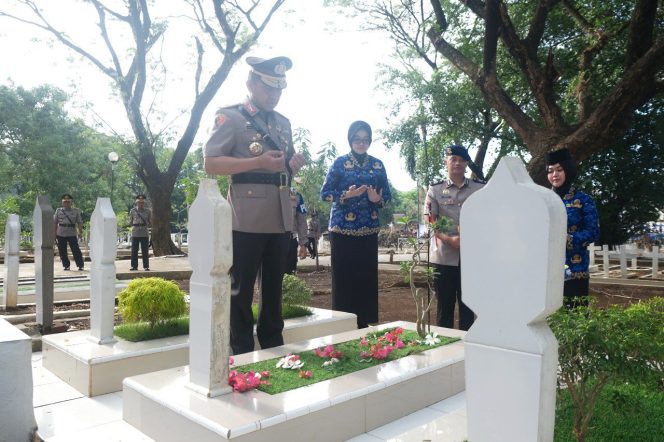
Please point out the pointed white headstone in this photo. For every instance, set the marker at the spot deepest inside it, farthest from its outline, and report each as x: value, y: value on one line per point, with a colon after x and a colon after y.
x: 512, y: 266
x: 103, y: 250
x: 17, y: 417
x: 655, y: 255
x: 12, y: 240
x: 211, y: 257
x: 605, y: 260
x: 44, y: 237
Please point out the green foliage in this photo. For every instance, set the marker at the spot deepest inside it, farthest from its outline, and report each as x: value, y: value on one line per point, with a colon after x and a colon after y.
x: 295, y: 291
x: 152, y: 300
x: 624, y: 412
x: 444, y: 224
x: 143, y: 331
x: 597, y: 346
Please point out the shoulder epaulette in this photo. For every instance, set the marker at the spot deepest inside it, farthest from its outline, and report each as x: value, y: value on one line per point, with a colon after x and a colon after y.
x: 479, y: 181
x: 437, y: 183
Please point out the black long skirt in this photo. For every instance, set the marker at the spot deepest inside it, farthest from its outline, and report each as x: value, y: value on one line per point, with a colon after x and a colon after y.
x: 355, y: 276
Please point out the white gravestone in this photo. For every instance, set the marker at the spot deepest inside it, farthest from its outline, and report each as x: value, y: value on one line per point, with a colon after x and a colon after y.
x: 44, y: 237
x: 605, y: 260
x: 592, y: 267
x: 103, y: 250
x: 12, y: 240
x: 512, y: 264
x: 655, y: 255
x: 211, y: 257
x: 17, y: 417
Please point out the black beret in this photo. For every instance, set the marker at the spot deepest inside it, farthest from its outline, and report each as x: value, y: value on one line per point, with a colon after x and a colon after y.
x: 271, y: 71
x: 67, y: 196
x: 455, y: 149
x: 140, y: 197
x: 558, y: 157
x: 355, y: 126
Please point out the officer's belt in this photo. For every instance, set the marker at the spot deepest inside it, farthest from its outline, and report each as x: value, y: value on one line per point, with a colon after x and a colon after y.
x: 66, y: 225
x: 138, y: 225
x: 278, y: 179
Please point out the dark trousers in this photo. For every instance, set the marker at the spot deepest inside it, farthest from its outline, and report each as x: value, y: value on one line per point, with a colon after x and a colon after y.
x: 291, y: 259
x: 575, y: 293
x: 354, y: 261
x: 448, y: 290
x: 312, y: 246
x: 144, y: 242
x: 251, y: 252
x: 75, y: 250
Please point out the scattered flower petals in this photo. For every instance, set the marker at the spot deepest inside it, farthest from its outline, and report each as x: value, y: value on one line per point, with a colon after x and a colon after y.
x: 305, y: 374
x: 431, y: 339
x: 290, y: 362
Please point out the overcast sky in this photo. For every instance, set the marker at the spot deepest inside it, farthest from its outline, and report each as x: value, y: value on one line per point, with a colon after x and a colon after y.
x: 331, y: 84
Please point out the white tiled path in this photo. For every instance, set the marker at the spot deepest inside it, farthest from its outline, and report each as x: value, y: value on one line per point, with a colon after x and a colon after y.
x: 63, y: 414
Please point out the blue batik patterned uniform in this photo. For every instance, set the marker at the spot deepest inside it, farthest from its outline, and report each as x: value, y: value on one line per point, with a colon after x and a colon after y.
x: 355, y: 216
x: 582, y: 230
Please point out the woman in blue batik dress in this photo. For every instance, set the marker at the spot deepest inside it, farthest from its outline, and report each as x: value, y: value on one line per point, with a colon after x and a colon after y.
x: 357, y: 187
x: 582, y: 226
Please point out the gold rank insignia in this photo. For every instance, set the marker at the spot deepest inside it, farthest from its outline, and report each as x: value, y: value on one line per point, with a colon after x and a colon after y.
x: 350, y: 216
x: 446, y: 191
x: 348, y: 164
x: 256, y: 148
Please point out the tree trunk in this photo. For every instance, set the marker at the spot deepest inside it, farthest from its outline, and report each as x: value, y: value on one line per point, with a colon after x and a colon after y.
x: 160, y: 196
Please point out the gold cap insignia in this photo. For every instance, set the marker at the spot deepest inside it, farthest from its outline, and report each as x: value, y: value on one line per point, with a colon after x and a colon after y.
x: 256, y: 148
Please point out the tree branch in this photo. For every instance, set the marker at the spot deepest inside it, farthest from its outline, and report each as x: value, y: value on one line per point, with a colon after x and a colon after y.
x: 538, y: 25
x: 640, y: 30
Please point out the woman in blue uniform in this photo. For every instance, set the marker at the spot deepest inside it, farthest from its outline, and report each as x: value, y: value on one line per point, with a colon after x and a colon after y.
x: 582, y: 226
x: 357, y: 187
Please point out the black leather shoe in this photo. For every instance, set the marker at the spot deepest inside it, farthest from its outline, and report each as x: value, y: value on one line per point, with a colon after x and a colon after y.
x: 80, y: 269
x: 147, y: 269
x: 66, y: 268
x: 133, y: 268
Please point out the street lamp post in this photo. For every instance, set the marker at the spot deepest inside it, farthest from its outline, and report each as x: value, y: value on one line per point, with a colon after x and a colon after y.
x: 113, y: 157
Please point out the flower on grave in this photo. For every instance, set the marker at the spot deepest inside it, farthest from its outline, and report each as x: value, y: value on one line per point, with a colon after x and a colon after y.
x: 327, y: 352
x: 431, y: 339
x: 332, y: 361
x: 364, y: 342
x: 305, y: 374
x: 265, y: 374
x: 242, y: 382
x: 393, y: 337
x: 231, y: 360
x: 290, y: 362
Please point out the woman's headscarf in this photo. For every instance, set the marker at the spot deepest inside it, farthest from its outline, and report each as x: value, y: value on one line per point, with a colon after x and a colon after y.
x: 562, y: 157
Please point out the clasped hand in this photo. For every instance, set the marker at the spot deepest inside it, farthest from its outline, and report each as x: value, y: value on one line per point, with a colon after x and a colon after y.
x: 275, y: 161
x: 373, y: 196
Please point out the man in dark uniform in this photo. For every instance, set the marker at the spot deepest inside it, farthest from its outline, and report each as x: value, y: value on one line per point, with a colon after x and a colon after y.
x: 253, y: 144
x: 445, y: 199
x: 313, y: 235
x: 68, y: 226
x: 140, y: 220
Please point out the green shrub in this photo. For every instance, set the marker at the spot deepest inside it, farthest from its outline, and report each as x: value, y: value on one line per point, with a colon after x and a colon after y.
x: 152, y: 300
x: 599, y: 346
x: 295, y: 291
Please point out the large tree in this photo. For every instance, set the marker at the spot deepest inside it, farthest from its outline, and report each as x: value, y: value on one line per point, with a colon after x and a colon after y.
x: 584, y: 66
x: 127, y: 52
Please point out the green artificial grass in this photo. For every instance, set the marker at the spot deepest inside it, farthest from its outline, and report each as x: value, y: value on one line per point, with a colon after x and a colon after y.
x: 281, y: 379
x: 623, y: 413
x: 141, y: 331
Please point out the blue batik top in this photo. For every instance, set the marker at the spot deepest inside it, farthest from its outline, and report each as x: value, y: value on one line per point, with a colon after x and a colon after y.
x: 355, y: 216
x: 582, y: 230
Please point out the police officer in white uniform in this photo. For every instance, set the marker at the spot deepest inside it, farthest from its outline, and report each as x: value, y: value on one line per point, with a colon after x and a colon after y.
x: 253, y: 144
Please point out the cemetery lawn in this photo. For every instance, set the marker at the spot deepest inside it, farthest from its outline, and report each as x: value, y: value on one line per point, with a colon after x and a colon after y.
x: 280, y: 380
x: 624, y: 412
x: 141, y: 331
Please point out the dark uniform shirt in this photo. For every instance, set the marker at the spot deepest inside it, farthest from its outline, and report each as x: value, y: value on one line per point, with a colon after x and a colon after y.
x: 257, y: 208
x: 355, y: 216
x: 66, y: 221
x: 445, y: 199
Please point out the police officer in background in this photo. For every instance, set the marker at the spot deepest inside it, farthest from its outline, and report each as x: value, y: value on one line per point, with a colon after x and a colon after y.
x: 313, y: 234
x: 140, y: 220
x: 253, y: 144
x: 445, y: 198
x: 298, y: 243
x: 68, y: 225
